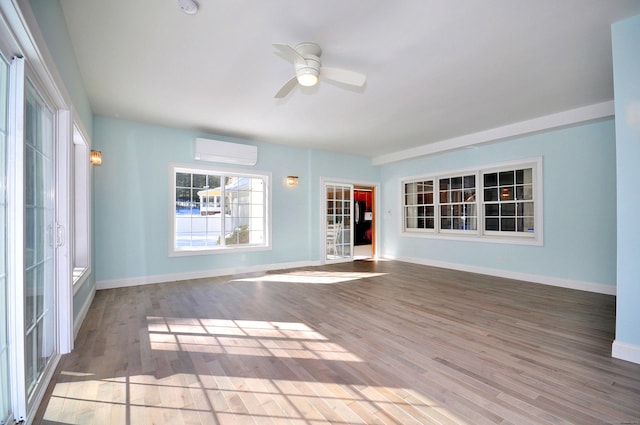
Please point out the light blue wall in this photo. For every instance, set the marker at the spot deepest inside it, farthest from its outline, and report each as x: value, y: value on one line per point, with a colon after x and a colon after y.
x: 334, y: 167
x: 132, y: 200
x: 579, y: 206
x: 626, y: 66
x: 53, y: 27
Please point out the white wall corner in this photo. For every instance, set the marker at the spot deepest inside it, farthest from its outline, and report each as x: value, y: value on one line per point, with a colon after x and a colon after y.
x: 624, y: 351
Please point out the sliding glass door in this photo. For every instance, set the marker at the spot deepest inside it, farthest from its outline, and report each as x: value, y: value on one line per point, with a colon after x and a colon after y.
x: 40, y: 229
x: 28, y: 333
x: 36, y: 292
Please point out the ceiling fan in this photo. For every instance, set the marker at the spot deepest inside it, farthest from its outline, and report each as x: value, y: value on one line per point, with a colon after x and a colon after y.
x: 306, y: 59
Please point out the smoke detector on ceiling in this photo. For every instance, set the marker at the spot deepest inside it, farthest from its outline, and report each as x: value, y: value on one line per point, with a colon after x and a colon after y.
x: 190, y: 7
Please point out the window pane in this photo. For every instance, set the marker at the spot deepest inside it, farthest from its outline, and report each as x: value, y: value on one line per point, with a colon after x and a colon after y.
x: 506, y: 193
x: 524, y: 176
x: 508, y: 224
x: 183, y: 180
x: 491, y: 195
x: 199, y: 180
x: 429, y: 198
x: 491, y: 210
x: 492, y: 224
x: 527, y: 208
x: 410, y: 188
x: 506, y: 178
x: 490, y: 180
x: 469, y: 195
x: 471, y: 224
x: 469, y: 181
x: 508, y: 209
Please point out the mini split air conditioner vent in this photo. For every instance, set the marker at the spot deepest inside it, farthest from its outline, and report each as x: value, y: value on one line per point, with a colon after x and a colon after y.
x: 225, y: 152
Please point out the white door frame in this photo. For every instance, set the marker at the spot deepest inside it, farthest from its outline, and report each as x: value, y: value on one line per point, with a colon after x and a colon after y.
x: 323, y: 215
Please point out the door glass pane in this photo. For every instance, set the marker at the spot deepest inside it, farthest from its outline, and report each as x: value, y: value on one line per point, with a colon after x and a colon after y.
x: 39, y: 238
x: 339, y: 208
x: 5, y: 402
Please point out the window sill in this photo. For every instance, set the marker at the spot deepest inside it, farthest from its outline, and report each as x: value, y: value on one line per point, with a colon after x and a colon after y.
x: 80, y: 275
x: 525, y: 239
x: 224, y: 250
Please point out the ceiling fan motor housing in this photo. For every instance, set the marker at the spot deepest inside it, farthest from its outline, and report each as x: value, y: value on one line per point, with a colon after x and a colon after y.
x: 308, y: 72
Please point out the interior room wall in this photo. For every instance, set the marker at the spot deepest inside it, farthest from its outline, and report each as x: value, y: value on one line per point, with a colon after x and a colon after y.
x: 579, y: 210
x: 132, y: 203
x: 626, y: 69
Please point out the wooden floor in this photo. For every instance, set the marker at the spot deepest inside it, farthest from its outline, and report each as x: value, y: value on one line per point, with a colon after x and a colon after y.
x: 355, y: 343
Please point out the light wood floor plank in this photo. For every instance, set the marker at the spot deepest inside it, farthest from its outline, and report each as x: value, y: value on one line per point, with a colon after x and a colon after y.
x: 392, y: 343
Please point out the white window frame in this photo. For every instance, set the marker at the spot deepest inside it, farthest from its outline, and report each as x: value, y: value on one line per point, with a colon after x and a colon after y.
x: 480, y: 234
x: 224, y: 172
x: 80, y: 227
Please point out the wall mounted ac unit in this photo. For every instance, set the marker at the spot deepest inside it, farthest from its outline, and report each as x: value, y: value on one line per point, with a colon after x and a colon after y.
x: 228, y: 153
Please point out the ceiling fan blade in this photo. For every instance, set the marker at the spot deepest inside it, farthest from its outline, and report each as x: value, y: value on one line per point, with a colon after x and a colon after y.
x: 343, y: 76
x: 290, y: 53
x: 288, y: 86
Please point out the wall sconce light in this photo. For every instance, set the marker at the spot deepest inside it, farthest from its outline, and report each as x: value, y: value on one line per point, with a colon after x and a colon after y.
x: 292, y: 180
x: 95, y: 158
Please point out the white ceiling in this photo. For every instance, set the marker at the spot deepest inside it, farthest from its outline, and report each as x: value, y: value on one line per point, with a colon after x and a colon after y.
x: 436, y: 69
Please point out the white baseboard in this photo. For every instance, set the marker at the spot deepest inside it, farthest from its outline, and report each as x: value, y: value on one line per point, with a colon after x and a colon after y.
x: 147, y: 280
x: 82, y: 314
x: 623, y: 351
x: 545, y: 280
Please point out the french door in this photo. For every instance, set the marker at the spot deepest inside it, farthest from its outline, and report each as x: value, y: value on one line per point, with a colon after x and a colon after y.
x: 338, y: 221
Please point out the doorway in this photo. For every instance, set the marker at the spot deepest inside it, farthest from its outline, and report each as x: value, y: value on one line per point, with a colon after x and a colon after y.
x: 348, y: 221
x: 364, y: 230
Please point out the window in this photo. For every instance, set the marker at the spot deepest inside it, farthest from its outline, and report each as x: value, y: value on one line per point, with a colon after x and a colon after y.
x: 458, y: 203
x: 80, y: 225
x: 508, y: 201
x: 418, y: 205
x: 501, y: 202
x: 213, y: 210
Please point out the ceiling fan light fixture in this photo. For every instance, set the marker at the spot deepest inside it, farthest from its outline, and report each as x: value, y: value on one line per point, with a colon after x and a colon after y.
x: 307, y: 79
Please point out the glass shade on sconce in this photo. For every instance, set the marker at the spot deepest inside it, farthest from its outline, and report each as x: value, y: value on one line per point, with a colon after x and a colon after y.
x: 292, y: 180
x: 95, y: 158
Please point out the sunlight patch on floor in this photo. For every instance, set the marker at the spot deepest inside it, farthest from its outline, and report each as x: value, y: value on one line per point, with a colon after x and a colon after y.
x: 213, y: 398
x: 218, y: 371
x: 311, y: 277
x: 243, y: 338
